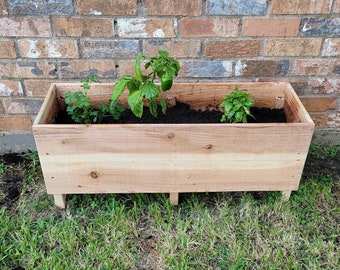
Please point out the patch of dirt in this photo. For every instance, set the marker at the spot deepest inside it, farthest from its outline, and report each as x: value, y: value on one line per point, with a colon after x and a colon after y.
x: 147, y: 246
x: 11, y: 181
x: 324, y: 164
x: 181, y: 113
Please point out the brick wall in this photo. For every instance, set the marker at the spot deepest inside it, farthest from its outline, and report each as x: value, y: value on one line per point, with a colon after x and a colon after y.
x: 245, y: 40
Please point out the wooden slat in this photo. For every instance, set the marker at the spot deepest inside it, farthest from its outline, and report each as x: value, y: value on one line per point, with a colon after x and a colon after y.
x: 294, y: 109
x: 239, y: 176
x: 163, y: 138
x: 265, y: 93
x: 49, y: 109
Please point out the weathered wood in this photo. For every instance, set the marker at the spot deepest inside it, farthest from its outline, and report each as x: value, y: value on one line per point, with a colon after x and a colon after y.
x: 173, y: 158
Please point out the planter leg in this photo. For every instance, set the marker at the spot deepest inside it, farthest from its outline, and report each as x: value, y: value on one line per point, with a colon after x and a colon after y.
x: 285, y: 195
x: 174, y: 198
x: 60, y: 201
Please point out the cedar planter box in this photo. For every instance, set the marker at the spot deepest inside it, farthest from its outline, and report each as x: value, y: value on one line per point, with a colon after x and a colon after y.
x: 174, y: 158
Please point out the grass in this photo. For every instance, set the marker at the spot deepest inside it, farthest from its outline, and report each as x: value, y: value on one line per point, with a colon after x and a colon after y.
x: 253, y: 230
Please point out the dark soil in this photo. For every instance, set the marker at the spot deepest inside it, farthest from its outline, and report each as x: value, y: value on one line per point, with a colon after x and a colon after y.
x: 323, y: 163
x: 11, y: 181
x: 181, y: 113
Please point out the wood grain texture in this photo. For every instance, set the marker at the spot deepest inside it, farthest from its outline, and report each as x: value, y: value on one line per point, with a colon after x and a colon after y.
x: 174, y: 158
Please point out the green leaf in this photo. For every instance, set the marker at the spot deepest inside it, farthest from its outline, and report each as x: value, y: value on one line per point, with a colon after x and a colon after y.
x: 135, y: 101
x: 153, y: 108
x: 119, y: 87
x: 228, y: 106
x: 246, y: 109
x: 133, y: 85
x: 164, y: 54
x: 238, y: 116
x: 138, y: 71
x: 163, y: 105
x: 230, y: 114
x: 224, y: 118
x: 150, y: 90
x: 249, y: 103
x: 238, y: 106
x: 94, y: 78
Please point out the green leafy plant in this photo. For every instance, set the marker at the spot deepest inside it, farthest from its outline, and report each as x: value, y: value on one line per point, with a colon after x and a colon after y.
x: 82, y: 110
x: 237, y: 106
x: 143, y: 87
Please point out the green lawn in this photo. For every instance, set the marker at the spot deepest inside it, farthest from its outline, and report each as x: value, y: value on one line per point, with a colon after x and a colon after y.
x: 254, y: 230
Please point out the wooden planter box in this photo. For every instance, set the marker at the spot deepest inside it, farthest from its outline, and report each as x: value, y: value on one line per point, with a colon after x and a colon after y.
x: 174, y: 158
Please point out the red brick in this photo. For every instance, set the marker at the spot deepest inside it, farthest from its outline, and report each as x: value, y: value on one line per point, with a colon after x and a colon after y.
x: 110, y: 49
x: 325, y: 86
x: 126, y: 67
x: 319, y: 67
x: 42, y: 48
x: 301, y: 7
x: 147, y: 28
x: 10, y: 88
x: 232, y: 48
x: 84, y: 27
x: 284, y: 27
x: 7, y: 49
x: 320, y: 119
x: 107, y: 8
x: 334, y: 120
x: 336, y: 7
x: 15, y: 123
x: 206, y: 69
x: 300, y: 86
x: 179, y: 8
x: 210, y: 27
x: 37, y: 88
x: 319, y: 104
x: 178, y: 49
x: 3, y: 9
x: 331, y: 47
x: 292, y: 47
x: 80, y: 69
x: 28, y: 69
x: 261, y: 68
x: 25, y: 27
x: 21, y: 106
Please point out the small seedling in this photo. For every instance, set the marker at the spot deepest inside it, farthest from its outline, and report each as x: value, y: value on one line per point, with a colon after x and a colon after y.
x: 143, y: 87
x: 237, y: 106
x: 82, y: 110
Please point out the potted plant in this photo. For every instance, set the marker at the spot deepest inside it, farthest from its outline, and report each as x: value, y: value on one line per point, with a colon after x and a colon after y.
x: 172, y: 158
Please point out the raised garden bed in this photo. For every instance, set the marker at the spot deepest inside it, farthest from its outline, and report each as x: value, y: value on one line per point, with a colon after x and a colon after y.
x: 174, y: 158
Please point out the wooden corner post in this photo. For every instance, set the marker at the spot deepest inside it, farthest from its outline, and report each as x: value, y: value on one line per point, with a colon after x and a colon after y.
x: 286, y: 195
x: 60, y: 201
x: 174, y: 198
